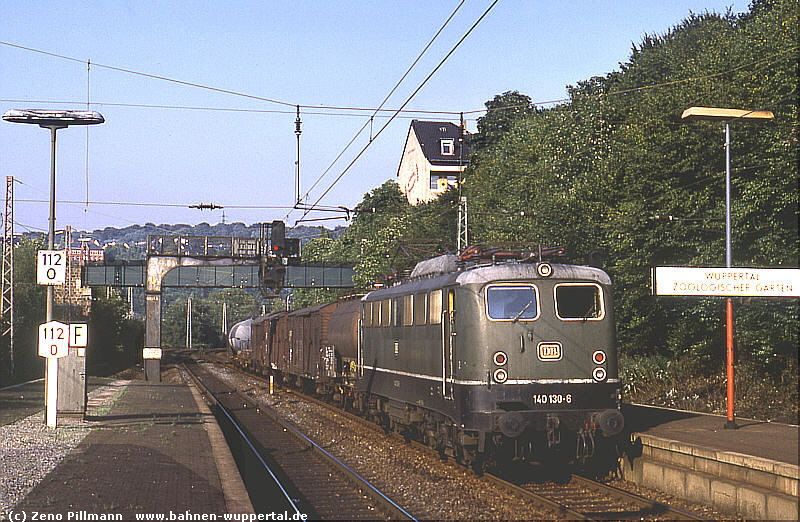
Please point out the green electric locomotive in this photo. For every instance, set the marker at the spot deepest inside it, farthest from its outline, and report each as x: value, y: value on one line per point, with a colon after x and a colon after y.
x: 485, y: 359
x: 494, y: 361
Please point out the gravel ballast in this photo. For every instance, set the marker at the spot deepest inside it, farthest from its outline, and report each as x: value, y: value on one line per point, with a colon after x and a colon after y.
x: 29, y: 449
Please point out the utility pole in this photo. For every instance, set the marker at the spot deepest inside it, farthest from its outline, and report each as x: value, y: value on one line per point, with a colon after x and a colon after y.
x: 297, y: 131
x: 7, y: 307
x: 224, y: 319
x: 463, y: 235
x: 462, y: 241
x: 189, y: 322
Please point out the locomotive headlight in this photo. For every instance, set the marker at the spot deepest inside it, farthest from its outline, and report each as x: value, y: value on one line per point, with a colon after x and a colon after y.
x: 544, y: 269
x: 500, y: 358
x: 599, y: 374
x: 599, y: 357
x: 500, y: 375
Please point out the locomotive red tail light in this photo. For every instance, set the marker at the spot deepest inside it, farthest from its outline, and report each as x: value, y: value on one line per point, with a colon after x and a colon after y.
x: 500, y: 358
x: 500, y: 375
x: 599, y: 357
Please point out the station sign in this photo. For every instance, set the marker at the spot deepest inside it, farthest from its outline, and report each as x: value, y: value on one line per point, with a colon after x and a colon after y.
x: 726, y: 282
x: 151, y: 353
x: 51, y: 267
x: 53, y: 340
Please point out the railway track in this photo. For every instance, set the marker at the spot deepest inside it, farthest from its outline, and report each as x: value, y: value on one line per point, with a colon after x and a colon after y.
x: 578, y: 498
x: 581, y: 498
x: 283, y: 469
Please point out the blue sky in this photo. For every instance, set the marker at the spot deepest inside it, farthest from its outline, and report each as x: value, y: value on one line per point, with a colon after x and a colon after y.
x: 311, y: 53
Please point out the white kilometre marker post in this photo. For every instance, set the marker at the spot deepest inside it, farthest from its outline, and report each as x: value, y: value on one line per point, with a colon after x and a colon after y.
x: 53, y: 344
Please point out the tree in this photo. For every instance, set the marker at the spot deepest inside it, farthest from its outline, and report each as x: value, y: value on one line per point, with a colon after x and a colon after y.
x: 207, y: 329
x: 597, y: 172
x: 29, y: 313
x: 615, y: 169
x: 116, y: 340
x: 503, y: 111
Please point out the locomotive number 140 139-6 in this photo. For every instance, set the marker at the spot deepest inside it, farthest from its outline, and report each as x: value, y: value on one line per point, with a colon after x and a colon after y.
x: 552, y: 398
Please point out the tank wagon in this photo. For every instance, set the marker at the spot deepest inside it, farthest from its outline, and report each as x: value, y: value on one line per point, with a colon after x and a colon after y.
x: 239, y: 336
x: 484, y: 361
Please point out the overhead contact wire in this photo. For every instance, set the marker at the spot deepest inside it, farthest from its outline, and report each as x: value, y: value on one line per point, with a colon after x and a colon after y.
x: 408, y: 100
x: 385, y: 99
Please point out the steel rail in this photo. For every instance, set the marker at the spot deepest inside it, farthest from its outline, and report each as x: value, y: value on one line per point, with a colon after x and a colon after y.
x: 653, y: 507
x: 395, y: 511
x: 390, y: 508
x: 562, y: 511
x: 286, y: 496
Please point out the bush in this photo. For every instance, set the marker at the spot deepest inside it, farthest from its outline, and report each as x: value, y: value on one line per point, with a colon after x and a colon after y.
x: 687, y: 384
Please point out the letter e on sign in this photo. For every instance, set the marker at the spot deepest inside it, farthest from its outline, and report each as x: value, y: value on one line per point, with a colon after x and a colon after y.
x: 53, y: 339
x: 78, y: 335
x: 51, y: 267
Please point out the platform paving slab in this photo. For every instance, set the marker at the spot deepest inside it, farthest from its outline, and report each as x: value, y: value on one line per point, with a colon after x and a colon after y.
x: 150, y: 453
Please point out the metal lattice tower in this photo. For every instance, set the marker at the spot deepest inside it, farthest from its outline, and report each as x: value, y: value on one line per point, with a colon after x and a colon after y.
x: 463, y: 235
x: 7, y: 305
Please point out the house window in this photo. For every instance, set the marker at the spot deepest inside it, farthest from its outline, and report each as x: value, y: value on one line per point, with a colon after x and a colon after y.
x: 446, y: 179
x: 447, y: 147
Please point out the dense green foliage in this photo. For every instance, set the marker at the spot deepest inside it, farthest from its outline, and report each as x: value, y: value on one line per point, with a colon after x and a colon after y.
x: 207, y: 331
x: 602, y: 171
x: 29, y: 313
x: 115, y: 339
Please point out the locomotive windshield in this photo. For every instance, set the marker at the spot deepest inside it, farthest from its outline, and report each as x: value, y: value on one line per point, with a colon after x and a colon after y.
x: 512, y: 302
x: 579, y: 301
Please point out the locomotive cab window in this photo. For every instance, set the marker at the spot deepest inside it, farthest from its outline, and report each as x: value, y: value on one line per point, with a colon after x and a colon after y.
x: 579, y: 302
x: 512, y: 302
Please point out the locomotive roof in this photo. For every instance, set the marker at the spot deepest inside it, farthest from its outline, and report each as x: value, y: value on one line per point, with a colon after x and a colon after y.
x: 510, y: 271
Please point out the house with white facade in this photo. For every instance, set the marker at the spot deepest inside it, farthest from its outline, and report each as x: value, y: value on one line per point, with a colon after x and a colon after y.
x: 435, y: 153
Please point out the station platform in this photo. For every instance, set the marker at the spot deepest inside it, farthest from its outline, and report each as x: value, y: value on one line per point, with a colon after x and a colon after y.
x: 751, y: 471
x: 156, y: 450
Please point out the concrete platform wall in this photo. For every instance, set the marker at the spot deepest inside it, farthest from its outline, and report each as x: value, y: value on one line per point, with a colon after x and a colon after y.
x: 730, y: 482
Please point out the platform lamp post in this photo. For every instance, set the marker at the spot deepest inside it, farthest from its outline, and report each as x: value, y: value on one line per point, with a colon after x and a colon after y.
x: 726, y: 116
x: 53, y: 120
